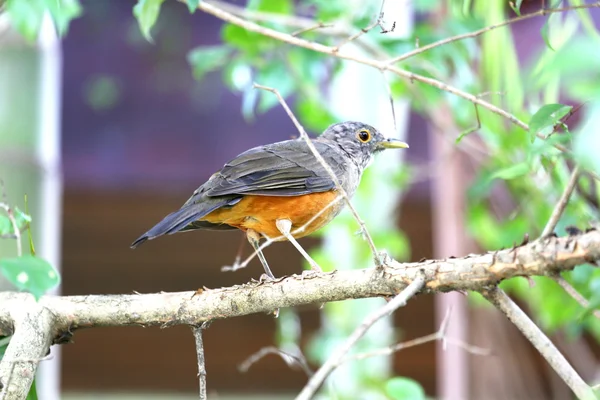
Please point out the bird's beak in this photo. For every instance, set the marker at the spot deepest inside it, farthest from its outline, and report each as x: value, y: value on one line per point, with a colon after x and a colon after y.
x: 392, y: 144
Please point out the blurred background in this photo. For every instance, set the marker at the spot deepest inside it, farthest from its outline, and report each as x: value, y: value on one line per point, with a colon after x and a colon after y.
x: 107, y: 132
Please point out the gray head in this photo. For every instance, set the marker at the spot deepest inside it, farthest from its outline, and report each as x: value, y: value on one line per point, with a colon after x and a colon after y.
x: 360, y: 141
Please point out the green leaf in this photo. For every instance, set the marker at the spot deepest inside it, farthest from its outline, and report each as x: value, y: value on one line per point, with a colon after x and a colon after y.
x: 545, y: 32
x: 21, y: 219
x: 208, y: 58
x: 192, y: 5
x: 511, y: 172
x: 400, y: 388
x: 30, y: 273
x: 274, y: 75
x: 516, y: 7
x: 544, y: 119
x: 32, y: 395
x: 278, y: 7
x: 26, y: 16
x: 146, y: 12
x: 6, y: 227
x: 314, y: 114
x: 31, y: 247
x: 62, y: 12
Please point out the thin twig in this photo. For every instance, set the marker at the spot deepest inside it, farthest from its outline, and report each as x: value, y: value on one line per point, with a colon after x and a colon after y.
x: 578, y: 297
x: 381, y: 65
x: 378, y: 22
x: 439, y: 335
x: 334, y: 360
x: 327, y: 167
x: 290, y: 359
x: 562, y: 202
x: 479, y: 32
x: 551, y: 225
x: 318, y: 25
x: 541, y: 342
x: 197, y: 330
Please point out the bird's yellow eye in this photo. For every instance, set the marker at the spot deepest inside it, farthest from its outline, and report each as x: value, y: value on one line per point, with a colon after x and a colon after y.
x: 364, y: 135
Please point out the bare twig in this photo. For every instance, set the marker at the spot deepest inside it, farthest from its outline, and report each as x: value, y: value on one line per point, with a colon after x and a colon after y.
x: 327, y: 167
x: 541, y: 342
x: 562, y: 202
x: 378, y: 22
x: 290, y: 359
x: 551, y: 225
x: 571, y: 291
x: 479, y: 32
x: 197, y: 330
x: 439, y: 335
x: 381, y: 65
x: 318, y: 25
x: 335, y: 359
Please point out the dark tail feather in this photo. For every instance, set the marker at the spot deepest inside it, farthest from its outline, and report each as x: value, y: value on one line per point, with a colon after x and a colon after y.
x: 173, y: 223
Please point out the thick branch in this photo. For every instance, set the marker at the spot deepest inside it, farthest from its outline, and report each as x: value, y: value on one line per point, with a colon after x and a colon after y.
x: 33, y: 335
x: 537, y: 338
x: 545, y: 256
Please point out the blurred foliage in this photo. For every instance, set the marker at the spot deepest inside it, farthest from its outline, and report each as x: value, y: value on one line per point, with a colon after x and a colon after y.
x: 520, y: 173
x: 26, y: 272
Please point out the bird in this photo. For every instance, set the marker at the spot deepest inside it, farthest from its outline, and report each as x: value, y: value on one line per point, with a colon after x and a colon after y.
x: 280, y: 191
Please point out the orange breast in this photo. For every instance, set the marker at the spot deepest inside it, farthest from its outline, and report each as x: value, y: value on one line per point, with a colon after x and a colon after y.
x: 307, y: 212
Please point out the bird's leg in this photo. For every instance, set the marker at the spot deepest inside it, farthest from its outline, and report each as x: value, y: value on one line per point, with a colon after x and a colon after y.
x: 285, y: 227
x: 254, y: 239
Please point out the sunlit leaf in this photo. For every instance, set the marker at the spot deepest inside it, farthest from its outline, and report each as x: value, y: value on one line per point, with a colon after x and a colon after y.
x: 208, y: 58
x: 30, y: 273
x: 516, y: 6
x: 62, y: 12
x: 278, y: 7
x: 512, y: 171
x: 545, y: 32
x: 146, y: 12
x: 400, y: 388
x: 192, y: 5
x: 544, y: 119
x: 26, y: 16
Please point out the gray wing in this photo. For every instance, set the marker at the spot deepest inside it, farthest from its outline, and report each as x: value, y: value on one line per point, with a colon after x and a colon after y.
x: 280, y: 169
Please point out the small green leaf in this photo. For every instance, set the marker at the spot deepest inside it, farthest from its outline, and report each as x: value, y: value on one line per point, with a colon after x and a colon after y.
x: 278, y: 7
x: 512, y: 172
x: 62, y: 12
x: 544, y: 119
x: 6, y: 227
x: 274, y: 75
x: 516, y: 7
x: 30, y: 273
x: 192, y: 5
x: 26, y: 16
x: 400, y: 388
x: 146, y: 12
x: 21, y: 219
x: 31, y: 247
x: 208, y: 58
x: 545, y: 32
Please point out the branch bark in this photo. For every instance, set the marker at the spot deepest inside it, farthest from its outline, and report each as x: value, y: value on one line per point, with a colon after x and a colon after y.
x: 537, y: 338
x: 35, y: 325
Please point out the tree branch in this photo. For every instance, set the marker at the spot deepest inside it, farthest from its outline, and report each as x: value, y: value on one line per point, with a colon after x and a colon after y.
x: 35, y: 325
x: 315, y: 382
x: 197, y: 330
x: 537, y: 338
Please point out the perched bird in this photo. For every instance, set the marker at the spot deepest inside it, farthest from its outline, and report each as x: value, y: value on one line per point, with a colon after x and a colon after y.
x: 280, y: 191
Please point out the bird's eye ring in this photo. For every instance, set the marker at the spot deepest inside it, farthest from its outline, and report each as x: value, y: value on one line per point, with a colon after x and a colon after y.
x: 364, y: 135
